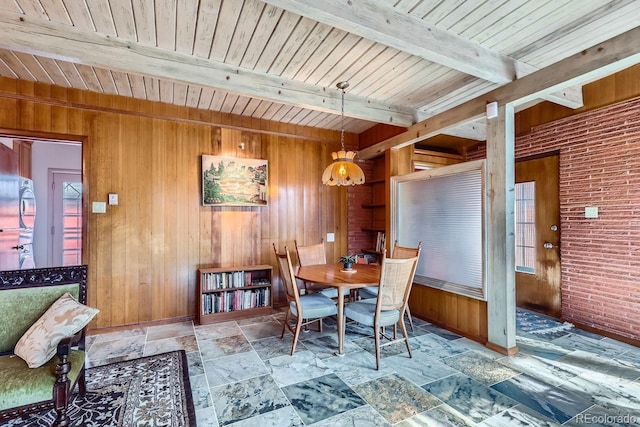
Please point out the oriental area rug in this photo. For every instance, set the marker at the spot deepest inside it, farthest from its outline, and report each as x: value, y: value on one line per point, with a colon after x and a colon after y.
x: 535, y: 323
x: 150, y: 391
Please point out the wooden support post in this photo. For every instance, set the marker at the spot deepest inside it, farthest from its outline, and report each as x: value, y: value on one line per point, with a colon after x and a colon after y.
x: 501, y: 295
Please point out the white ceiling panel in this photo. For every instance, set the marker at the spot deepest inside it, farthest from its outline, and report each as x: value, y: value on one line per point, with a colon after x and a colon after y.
x: 281, y: 59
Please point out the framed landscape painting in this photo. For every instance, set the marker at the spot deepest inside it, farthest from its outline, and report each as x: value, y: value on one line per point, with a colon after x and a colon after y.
x: 232, y: 181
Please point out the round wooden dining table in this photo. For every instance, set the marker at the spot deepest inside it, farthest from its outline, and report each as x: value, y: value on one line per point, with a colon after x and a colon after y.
x: 334, y: 275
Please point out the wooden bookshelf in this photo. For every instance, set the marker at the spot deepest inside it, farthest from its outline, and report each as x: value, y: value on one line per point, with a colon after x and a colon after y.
x: 375, y: 181
x: 234, y: 292
x: 371, y: 252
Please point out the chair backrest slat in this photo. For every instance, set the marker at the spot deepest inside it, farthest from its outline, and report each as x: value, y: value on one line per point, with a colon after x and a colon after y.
x: 311, y: 254
x: 287, y: 275
x: 405, y: 252
x: 396, y: 279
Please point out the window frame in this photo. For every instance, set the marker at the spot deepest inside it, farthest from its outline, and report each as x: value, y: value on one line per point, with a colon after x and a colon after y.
x: 470, y: 290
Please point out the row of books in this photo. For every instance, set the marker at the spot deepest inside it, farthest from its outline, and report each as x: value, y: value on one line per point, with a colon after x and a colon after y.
x: 223, y: 302
x: 230, y: 279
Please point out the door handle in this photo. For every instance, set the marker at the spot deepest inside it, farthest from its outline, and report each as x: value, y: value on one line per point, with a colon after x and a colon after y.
x: 17, y: 248
x: 548, y: 245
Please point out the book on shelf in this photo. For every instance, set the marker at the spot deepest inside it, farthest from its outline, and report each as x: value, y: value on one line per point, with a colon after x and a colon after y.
x: 232, y: 279
x: 243, y: 299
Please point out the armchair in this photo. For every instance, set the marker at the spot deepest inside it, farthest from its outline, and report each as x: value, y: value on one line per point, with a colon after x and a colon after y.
x: 25, y: 296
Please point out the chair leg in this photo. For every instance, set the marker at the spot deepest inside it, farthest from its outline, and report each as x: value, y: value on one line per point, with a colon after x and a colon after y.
x: 286, y: 322
x: 296, y: 334
x: 403, y: 327
x: 377, y: 337
x: 82, y: 384
x: 61, y: 392
x: 320, y: 325
x: 410, y: 318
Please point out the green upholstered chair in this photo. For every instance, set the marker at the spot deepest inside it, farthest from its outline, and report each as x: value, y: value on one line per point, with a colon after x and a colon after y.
x: 24, y: 296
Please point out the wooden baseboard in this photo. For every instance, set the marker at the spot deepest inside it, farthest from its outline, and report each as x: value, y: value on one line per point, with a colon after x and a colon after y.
x: 480, y: 340
x: 97, y: 331
x: 502, y: 350
x: 607, y: 334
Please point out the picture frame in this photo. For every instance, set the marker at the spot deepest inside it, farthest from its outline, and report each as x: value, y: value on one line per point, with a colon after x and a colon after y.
x: 234, y: 181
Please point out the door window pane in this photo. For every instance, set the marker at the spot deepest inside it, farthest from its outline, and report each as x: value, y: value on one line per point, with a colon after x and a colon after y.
x: 72, y: 223
x: 525, y: 227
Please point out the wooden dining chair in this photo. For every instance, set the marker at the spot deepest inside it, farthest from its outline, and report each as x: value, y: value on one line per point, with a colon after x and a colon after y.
x: 399, y: 252
x: 396, y: 279
x: 305, y: 309
x: 313, y: 255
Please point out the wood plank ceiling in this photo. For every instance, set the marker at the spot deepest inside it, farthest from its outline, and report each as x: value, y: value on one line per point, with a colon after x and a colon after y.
x: 406, y: 60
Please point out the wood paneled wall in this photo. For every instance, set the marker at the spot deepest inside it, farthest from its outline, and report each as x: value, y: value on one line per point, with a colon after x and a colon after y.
x: 377, y: 133
x: 143, y: 253
x: 468, y: 316
x: 461, y: 314
x: 586, y: 278
x: 617, y: 87
x: 458, y: 313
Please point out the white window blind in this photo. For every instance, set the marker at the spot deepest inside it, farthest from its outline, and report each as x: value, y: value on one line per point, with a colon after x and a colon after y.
x: 444, y: 210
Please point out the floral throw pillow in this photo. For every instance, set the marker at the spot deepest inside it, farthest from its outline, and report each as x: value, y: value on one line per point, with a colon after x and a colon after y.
x: 63, y: 319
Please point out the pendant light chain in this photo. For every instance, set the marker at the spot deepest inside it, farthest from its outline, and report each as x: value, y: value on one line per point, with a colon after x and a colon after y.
x: 342, y: 122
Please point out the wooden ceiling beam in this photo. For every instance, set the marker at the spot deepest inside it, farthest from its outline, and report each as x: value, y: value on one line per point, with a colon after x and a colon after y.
x: 44, y: 38
x: 476, y: 130
x: 377, y: 21
x: 596, y: 62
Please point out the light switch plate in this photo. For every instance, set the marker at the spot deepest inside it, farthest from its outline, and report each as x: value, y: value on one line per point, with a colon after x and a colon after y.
x: 591, y: 212
x: 331, y: 237
x: 99, y: 207
x: 113, y: 198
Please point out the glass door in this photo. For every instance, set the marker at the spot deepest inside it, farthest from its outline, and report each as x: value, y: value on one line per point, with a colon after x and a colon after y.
x: 66, y: 219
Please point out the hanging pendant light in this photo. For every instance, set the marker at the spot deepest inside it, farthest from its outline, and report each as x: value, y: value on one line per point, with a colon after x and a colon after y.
x: 343, y: 171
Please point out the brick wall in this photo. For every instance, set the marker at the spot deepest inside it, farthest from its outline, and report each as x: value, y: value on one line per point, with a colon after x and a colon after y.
x: 357, y: 217
x: 600, y: 258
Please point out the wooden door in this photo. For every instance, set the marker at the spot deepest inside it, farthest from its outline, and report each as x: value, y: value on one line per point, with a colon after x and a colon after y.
x: 538, y: 235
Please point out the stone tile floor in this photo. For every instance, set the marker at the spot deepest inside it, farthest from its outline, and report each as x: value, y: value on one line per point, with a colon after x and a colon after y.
x: 242, y: 375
